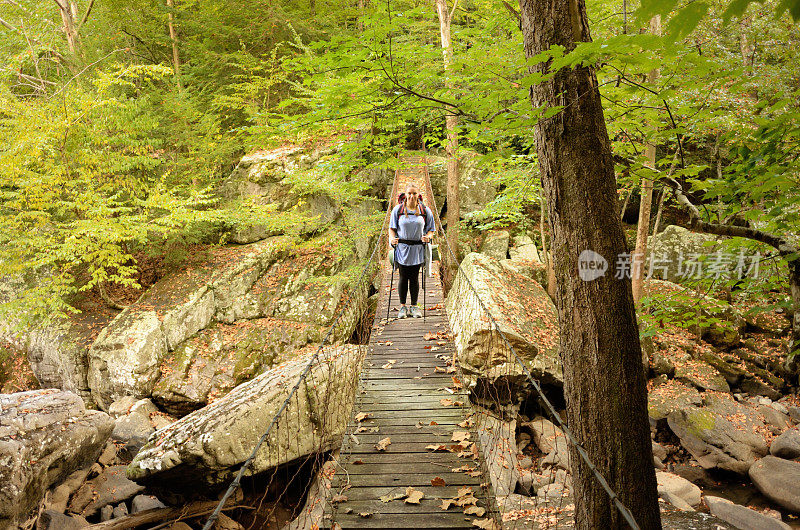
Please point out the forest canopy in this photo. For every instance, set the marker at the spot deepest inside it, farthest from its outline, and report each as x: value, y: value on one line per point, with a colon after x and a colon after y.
x: 119, y: 119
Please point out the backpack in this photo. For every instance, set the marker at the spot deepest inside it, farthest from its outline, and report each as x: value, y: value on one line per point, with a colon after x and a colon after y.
x: 401, y: 199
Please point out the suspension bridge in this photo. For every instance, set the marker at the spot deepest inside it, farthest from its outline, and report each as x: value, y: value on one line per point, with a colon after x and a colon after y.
x: 408, y: 445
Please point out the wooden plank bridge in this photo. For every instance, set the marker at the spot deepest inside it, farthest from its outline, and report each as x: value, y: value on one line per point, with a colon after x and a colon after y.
x: 409, y: 395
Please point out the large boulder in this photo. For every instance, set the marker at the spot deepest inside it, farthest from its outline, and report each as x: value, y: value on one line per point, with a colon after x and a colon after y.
x: 125, y: 358
x: 673, y: 395
x: 269, y: 178
x: 145, y: 345
x: 474, y: 189
x: 675, y: 245
x: 787, y: 445
x: 495, y: 244
x: 44, y: 436
x: 218, y: 358
x: 111, y: 486
x: 723, y: 434
x: 742, y: 517
x: 522, y: 310
x: 56, y: 349
x: 206, y: 447
x: 524, y: 249
x: 671, y: 484
x: 777, y: 479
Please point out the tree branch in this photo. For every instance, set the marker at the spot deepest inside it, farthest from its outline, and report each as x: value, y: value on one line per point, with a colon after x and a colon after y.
x: 85, y: 16
x: 7, y: 25
x: 783, y: 246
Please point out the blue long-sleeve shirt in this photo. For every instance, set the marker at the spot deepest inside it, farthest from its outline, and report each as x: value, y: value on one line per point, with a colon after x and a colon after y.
x: 411, y: 226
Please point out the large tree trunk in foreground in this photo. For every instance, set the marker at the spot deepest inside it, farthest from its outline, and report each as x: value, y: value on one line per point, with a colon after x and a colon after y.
x: 604, y: 380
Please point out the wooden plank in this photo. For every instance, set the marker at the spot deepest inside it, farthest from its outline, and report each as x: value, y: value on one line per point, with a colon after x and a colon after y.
x: 422, y: 520
x: 371, y: 493
x: 407, y: 479
x: 411, y: 437
x: 430, y: 505
x: 382, y: 458
x: 394, y: 448
x: 434, y: 469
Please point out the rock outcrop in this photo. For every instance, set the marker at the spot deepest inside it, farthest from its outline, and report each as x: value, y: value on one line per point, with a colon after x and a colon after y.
x: 523, y: 311
x: 474, y: 190
x: 777, y: 479
x: 153, y: 348
x: 723, y: 434
x: 206, y: 447
x: 742, y: 517
x: 44, y: 436
x: 675, y: 244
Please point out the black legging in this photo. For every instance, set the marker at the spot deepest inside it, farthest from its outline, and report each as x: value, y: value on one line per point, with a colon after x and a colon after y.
x: 409, y: 279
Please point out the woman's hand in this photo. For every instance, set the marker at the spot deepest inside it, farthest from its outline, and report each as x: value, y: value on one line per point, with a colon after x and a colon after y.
x: 394, y: 241
x: 426, y: 238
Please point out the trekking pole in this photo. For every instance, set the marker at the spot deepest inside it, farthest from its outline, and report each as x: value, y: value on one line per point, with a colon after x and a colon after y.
x: 391, y: 284
x: 424, y: 302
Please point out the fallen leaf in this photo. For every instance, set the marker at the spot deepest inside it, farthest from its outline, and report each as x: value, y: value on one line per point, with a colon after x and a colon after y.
x: 361, y: 416
x: 474, y: 510
x: 429, y: 336
x: 456, y: 382
x: 486, y: 524
x: 339, y: 498
x: 439, y: 369
x: 438, y: 481
x: 364, y: 514
x: 467, y: 500
x: 446, y: 503
x: 358, y: 462
x: 460, y: 436
x: 436, y: 447
x: 413, y: 496
x: 383, y: 444
x: 446, y: 402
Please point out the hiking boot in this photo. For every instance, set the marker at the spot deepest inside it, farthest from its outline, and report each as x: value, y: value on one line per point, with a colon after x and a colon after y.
x: 415, y: 312
x: 403, y: 313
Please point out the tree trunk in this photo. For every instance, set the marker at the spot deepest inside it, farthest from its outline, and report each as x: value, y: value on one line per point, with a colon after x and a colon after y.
x: 548, y: 261
x: 173, y: 36
x: 625, y: 204
x: 659, y: 211
x: 451, y: 123
x: 360, y: 15
x: 65, y: 9
x: 639, y: 257
x: 604, y: 381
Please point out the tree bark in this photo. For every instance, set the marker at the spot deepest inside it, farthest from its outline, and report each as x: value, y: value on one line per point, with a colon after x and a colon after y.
x: 65, y: 9
x: 548, y: 261
x: 451, y: 123
x: 604, y: 381
x: 173, y: 36
x: 625, y: 204
x: 639, y: 257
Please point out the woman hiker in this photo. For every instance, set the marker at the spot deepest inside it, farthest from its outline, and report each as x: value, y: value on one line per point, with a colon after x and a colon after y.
x: 410, y: 226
